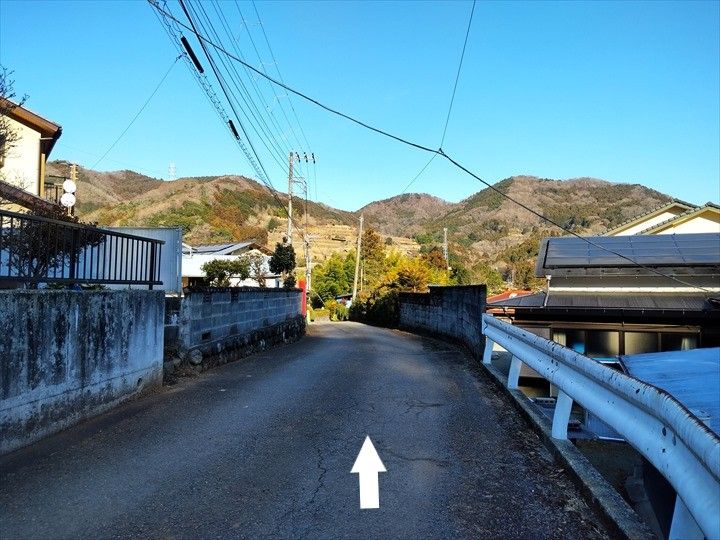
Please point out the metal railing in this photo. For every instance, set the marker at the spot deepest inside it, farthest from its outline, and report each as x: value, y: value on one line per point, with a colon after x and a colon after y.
x: 658, y: 426
x: 36, y: 249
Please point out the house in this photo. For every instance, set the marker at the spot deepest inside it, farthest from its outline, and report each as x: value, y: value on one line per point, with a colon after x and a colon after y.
x: 193, y: 258
x: 22, y: 165
x: 675, y: 217
x: 599, y: 303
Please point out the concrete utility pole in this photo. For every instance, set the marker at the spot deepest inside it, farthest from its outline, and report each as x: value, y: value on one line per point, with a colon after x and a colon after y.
x: 357, y: 258
x: 294, y: 156
x: 445, y: 248
x: 291, y: 180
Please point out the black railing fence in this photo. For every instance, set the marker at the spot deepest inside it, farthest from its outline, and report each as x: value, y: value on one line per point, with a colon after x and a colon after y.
x: 36, y: 249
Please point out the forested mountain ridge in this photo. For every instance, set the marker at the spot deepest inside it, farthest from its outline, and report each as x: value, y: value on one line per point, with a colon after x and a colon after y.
x: 485, y: 230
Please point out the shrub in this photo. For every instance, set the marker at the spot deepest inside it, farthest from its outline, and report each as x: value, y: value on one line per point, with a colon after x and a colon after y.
x: 219, y: 272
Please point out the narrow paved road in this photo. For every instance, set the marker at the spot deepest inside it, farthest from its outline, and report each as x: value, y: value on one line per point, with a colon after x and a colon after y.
x: 263, y: 448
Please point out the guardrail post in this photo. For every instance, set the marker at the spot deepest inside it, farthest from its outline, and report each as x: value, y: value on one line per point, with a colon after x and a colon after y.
x: 561, y: 417
x: 487, y: 353
x: 684, y: 526
x: 514, y: 374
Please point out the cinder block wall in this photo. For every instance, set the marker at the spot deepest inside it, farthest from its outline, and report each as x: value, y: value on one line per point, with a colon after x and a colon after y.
x: 451, y: 312
x: 210, y: 321
x: 69, y: 355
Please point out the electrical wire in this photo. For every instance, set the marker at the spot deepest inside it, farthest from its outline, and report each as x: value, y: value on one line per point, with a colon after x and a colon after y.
x: 450, y: 106
x: 418, y: 174
x: 254, y: 118
x: 440, y: 152
x: 226, y: 26
x: 457, y: 76
x: 277, y: 68
x: 172, y: 32
x: 147, y: 101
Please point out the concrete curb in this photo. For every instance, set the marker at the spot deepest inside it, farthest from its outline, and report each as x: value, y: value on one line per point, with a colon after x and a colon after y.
x: 621, y: 518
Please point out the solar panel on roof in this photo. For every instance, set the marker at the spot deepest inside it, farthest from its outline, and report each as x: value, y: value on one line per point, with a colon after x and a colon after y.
x: 648, y: 250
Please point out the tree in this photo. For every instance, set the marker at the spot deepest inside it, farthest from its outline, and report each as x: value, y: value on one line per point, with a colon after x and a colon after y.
x: 283, y: 262
x: 33, y: 248
x: 8, y: 136
x: 219, y: 271
x: 435, y: 258
x: 484, y: 273
x: 414, y: 276
x: 257, y: 268
x: 372, y: 253
x: 330, y: 278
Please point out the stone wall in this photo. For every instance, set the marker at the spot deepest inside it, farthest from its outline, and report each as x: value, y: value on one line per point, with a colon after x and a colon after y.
x: 69, y: 355
x: 451, y: 312
x: 212, y: 326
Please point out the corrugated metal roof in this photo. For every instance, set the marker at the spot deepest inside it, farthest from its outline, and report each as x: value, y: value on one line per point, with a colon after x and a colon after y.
x: 610, y: 301
x: 656, y: 251
x: 221, y: 249
x: 692, y: 377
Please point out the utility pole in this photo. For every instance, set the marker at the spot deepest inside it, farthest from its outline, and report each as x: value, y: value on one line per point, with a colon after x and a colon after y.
x: 292, y: 158
x: 291, y: 180
x: 357, y: 258
x: 445, y: 248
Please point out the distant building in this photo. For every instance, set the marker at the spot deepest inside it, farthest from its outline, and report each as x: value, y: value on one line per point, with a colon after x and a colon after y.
x: 193, y: 258
x: 676, y: 217
x: 24, y: 164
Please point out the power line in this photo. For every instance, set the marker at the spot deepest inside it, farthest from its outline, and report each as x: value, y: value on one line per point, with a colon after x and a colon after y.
x: 226, y: 26
x: 201, y: 79
x: 457, y: 76
x: 439, y: 151
x: 257, y: 165
x: 418, y: 174
x: 277, y: 68
x: 259, y: 123
x: 138, y: 113
x: 450, y: 106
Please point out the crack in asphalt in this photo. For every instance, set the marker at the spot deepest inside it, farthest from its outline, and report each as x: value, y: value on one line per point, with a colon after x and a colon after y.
x: 436, y: 461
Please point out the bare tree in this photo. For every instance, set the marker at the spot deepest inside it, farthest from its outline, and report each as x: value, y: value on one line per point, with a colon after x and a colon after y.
x: 8, y: 136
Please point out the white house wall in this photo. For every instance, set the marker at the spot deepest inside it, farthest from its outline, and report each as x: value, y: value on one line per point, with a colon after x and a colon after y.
x: 650, y: 222
x: 22, y: 163
x: 697, y: 224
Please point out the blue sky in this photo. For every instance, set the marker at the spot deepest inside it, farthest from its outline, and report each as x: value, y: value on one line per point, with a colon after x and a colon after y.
x: 627, y: 92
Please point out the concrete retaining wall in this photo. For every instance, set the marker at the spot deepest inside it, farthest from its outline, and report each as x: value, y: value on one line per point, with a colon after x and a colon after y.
x: 69, y: 355
x: 212, y: 326
x: 451, y: 312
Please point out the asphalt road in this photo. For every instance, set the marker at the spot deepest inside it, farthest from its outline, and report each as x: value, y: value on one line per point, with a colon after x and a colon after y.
x: 263, y: 448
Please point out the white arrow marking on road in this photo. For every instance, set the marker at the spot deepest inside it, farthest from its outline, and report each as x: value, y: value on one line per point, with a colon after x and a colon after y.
x: 368, y: 465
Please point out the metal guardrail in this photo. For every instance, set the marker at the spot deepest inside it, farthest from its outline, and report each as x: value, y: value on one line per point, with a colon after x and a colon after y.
x: 681, y: 447
x: 36, y: 249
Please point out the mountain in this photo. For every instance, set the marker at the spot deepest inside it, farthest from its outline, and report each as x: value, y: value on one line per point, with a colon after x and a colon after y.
x: 405, y: 214
x: 487, y: 223
x: 485, y: 227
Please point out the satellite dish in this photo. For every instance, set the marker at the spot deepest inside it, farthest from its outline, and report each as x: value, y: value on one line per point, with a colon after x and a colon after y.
x: 67, y: 200
x: 69, y: 186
